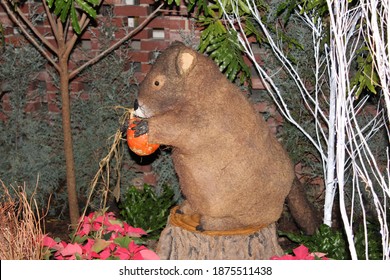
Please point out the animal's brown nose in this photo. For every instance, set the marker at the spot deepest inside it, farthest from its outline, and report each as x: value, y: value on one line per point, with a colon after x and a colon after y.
x: 136, y: 104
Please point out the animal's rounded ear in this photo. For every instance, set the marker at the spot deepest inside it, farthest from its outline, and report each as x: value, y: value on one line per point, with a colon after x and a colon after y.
x: 185, y: 61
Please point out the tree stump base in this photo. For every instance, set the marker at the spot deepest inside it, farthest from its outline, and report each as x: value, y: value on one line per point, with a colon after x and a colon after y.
x: 181, y: 241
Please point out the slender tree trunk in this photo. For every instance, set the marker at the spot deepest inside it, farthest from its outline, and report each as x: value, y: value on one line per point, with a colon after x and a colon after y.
x: 68, y: 143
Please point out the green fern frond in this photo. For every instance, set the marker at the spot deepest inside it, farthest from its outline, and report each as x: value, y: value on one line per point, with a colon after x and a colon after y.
x: 222, y: 46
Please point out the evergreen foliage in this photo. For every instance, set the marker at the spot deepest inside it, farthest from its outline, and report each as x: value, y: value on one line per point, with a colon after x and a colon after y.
x: 163, y: 166
x: 146, y: 209
x: 334, y: 242
x: 108, y: 84
x: 30, y: 141
x: 300, y: 52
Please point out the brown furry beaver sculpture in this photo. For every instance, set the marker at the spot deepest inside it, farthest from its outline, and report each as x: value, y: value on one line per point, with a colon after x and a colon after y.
x: 232, y: 170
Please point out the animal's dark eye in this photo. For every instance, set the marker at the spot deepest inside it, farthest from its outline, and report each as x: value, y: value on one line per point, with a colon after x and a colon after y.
x: 158, y: 82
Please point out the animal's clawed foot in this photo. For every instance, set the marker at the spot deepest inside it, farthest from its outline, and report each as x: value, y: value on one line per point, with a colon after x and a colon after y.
x: 141, y: 127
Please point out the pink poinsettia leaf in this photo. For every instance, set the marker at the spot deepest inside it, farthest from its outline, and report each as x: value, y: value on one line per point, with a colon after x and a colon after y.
x: 105, y: 254
x: 112, y: 246
x: 87, y: 248
x: 114, y: 235
x: 149, y: 255
x: 88, y: 219
x: 48, y: 241
x: 59, y: 246
x: 91, y: 215
x: 99, y: 219
x: 115, y: 227
x: 134, y: 248
x: 95, y: 255
x: 137, y: 257
x: 122, y: 253
x: 96, y: 226
x: 284, y: 257
x: 301, y: 252
x: 133, y: 232
x: 85, y: 230
x: 309, y: 258
x: 59, y: 257
x: 109, y: 219
x: 319, y: 255
x: 71, y: 250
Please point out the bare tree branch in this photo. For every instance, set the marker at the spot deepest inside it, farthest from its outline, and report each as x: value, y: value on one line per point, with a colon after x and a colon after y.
x: 28, y: 35
x: 34, y: 30
x: 84, y: 21
x: 52, y: 22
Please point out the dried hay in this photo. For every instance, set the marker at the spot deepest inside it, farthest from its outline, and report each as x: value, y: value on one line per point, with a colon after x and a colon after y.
x: 21, y: 232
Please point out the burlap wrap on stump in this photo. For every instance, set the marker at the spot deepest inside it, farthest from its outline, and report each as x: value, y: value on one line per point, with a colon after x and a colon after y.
x: 181, y: 241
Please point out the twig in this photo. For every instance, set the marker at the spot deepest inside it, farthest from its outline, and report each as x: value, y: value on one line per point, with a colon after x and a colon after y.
x: 104, y: 165
x: 84, y: 21
x: 34, y: 30
x: 52, y: 22
x: 28, y: 36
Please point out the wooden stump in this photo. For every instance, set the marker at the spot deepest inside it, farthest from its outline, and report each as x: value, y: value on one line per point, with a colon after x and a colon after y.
x: 181, y: 241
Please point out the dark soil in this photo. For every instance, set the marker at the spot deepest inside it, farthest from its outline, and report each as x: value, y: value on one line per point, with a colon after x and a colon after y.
x: 55, y: 227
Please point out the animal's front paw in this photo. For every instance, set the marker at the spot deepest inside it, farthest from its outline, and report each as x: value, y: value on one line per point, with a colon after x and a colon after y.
x: 141, y: 127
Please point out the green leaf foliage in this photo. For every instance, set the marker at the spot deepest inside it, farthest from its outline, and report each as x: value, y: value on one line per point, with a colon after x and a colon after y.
x: 222, y: 46
x: 74, y: 20
x: 366, y: 78
x: 66, y: 9
x: 335, y: 245
x: 86, y: 8
x: 29, y: 143
x: 374, y: 246
x: 287, y: 8
x: 220, y: 40
x: 325, y: 240
x: 50, y: 3
x: 145, y: 209
x: 170, y: 2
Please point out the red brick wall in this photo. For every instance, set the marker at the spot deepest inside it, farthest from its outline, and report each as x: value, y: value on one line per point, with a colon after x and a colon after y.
x: 157, y: 35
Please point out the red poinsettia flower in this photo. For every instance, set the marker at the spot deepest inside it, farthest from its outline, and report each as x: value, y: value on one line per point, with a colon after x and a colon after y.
x: 69, y: 252
x: 115, y: 228
x: 96, y: 247
x: 301, y: 253
x: 133, y: 232
x: 48, y: 241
